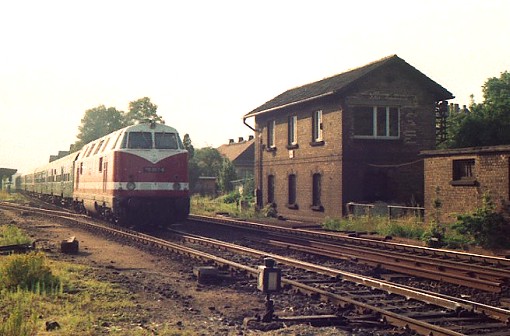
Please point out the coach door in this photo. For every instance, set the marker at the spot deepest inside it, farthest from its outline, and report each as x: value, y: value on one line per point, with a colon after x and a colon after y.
x: 105, y: 176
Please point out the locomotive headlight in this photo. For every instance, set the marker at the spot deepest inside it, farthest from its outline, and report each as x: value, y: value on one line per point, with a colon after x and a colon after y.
x: 131, y: 185
x: 177, y: 186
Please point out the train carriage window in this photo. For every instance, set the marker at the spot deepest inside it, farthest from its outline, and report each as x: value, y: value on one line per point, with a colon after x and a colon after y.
x: 123, y: 142
x: 99, y: 147
x: 165, y: 140
x: 140, y: 140
x: 91, y: 149
x: 105, y: 144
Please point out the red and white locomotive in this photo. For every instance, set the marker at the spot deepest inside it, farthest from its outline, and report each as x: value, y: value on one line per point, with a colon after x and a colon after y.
x: 138, y: 174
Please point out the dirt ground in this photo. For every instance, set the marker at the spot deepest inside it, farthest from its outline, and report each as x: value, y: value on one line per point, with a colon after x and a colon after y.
x: 163, y: 287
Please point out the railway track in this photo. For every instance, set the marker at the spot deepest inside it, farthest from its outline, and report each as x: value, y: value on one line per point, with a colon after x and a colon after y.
x: 425, y: 313
x: 466, y: 269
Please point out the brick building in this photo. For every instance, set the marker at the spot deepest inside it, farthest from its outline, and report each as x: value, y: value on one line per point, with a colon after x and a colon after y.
x: 353, y: 137
x: 459, y: 178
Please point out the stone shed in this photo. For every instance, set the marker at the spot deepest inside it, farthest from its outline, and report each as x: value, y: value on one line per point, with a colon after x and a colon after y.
x: 459, y: 178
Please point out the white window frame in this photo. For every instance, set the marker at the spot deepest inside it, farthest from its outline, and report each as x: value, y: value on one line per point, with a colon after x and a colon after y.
x: 375, y: 128
x: 292, y: 130
x: 317, y: 126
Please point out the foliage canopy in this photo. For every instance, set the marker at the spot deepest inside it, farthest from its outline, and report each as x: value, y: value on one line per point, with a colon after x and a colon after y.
x: 487, y: 123
x: 100, y: 121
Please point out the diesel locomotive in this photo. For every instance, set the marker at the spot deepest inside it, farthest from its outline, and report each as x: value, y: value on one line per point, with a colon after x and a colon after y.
x: 137, y: 175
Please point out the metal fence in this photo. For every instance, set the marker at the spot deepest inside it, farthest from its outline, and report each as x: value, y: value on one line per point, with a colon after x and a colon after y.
x: 384, y: 210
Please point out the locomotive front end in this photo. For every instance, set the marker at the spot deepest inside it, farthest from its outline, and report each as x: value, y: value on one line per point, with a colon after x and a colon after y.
x: 150, y: 174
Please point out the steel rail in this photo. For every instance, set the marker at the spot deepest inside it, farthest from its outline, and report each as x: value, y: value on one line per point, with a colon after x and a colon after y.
x: 422, y: 327
x: 393, y: 263
x: 440, y: 254
x: 499, y: 261
x: 441, y: 300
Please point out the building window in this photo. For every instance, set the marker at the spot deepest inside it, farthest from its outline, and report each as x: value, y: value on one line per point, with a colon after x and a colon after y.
x: 316, y: 193
x: 270, y: 189
x: 292, y: 192
x: 317, y: 127
x: 376, y: 122
x: 292, y: 132
x: 270, y: 134
x: 463, y: 172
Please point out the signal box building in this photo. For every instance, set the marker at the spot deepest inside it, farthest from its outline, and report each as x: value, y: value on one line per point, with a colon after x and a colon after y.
x: 456, y: 180
x: 353, y: 137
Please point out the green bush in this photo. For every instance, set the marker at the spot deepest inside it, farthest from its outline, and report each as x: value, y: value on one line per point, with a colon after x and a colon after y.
x: 27, y: 272
x: 485, y: 225
x: 232, y: 197
x: 435, y: 235
x: 11, y: 235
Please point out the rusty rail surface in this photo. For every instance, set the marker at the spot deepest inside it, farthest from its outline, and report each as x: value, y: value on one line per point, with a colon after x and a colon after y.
x: 486, y: 273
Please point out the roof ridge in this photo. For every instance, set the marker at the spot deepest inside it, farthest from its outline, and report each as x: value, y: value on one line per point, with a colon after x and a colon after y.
x: 334, y: 84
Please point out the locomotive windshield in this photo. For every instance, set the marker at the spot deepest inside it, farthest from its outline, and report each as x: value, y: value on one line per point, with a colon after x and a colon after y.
x: 165, y: 140
x: 143, y: 140
x: 140, y: 140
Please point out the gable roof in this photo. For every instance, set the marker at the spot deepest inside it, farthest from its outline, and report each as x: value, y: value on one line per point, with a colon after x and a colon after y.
x: 234, y: 151
x: 341, y: 82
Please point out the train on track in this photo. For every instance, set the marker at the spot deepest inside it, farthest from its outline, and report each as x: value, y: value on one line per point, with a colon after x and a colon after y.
x: 137, y: 175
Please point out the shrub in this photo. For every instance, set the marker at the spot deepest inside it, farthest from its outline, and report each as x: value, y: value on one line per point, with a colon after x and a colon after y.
x: 27, y: 272
x: 232, y: 197
x: 434, y: 236
x: 11, y: 235
x: 488, y: 227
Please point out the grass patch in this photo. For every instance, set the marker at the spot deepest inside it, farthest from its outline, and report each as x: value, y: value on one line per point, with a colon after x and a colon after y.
x: 410, y: 227
x: 11, y: 197
x: 79, y: 303
x: 229, y: 204
x: 12, y: 235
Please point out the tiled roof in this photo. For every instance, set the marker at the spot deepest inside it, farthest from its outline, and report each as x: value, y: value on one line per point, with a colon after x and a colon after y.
x: 232, y: 151
x: 338, y: 83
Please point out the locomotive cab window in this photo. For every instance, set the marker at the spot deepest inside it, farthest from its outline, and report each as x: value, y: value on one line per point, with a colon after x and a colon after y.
x: 165, y: 140
x: 139, y: 140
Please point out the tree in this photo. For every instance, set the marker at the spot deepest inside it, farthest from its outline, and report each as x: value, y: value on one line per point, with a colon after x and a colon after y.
x: 209, y: 161
x: 186, y: 141
x: 143, y: 110
x: 97, y: 122
x: 487, y: 123
x: 227, y: 174
x: 205, y: 162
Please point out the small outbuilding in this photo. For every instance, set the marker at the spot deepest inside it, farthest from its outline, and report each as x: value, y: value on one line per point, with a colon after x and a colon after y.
x: 456, y: 180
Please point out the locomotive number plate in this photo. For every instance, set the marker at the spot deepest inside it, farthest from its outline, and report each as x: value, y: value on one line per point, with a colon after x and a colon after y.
x: 154, y: 169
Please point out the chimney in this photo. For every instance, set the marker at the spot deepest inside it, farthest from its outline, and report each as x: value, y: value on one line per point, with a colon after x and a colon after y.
x: 241, y: 139
x: 230, y: 141
x: 250, y: 137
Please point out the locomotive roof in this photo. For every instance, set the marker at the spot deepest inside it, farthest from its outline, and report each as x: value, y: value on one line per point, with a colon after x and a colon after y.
x: 143, y: 127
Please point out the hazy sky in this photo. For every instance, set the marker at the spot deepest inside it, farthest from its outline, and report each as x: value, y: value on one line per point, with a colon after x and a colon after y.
x: 207, y: 63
